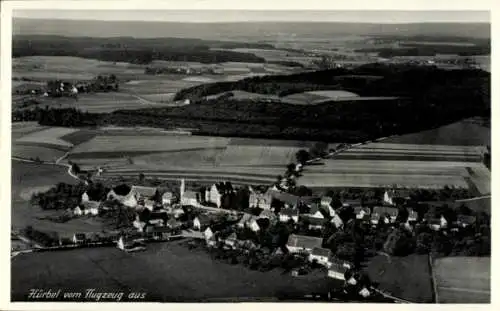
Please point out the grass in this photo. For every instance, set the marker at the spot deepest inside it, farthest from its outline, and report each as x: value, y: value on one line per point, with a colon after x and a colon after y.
x: 50, y: 136
x: 19, y: 129
x: 463, y: 279
x: 123, y: 144
x: 404, y: 277
x: 165, y: 272
x: 33, y: 152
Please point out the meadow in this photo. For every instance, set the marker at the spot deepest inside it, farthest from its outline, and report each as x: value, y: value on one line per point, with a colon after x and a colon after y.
x: 166, y: 272
x: 458, y: 285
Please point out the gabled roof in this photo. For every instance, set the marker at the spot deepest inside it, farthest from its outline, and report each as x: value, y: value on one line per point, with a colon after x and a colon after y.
x: 289, y: 212
x: 381, y: 210
x: 285, y: 197
x: 318, y: 251
x: 339, y: 268
x: 189, y: 195
x: 466, y: 219
x: 204, y: 219
x: 358, y: 209
x: 303, y: 241
x: 146, y: 192
x: 91, y: 204
x: 353, y: 203
x: 314, y: 221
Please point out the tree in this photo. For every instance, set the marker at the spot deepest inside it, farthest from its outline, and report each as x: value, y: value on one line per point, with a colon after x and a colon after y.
x: 290, y: 169
x: 423, y: 244
x: 302, y: 156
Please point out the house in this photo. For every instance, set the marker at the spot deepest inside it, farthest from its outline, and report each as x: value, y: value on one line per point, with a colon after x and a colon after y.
x: 141, y: 192
x: 289, y: 213
x: 361, y: 212
x: 269, y: 215
x: 208, y: 233
x: 173, y: 224
x: 201, y: 222
x: 392, y: 196
x: 231, y: 240
x: 337, y: 271
x: 158, y: 233
x: 354, y: 203
x: 465, y: 221
x: 316, y: 211
x: 216, y: 191
x: 412, y: 215
x: 260, y: 200
x: 189, y: 198
x: 326, y: 201
x: 77, y: 211
x: 313, y: 223
x: 337, y: 221
x: 149, y: 204
x: 249, y: 221
x: 288, y: 199
x: 321, y: 255
x: 85, y: 197
x: 79, y: 238
x: 167, y: 198
x: 438, y: 223
x: 390, y: 212
x: 301, y: 243
x: 177, y: 212
x: 91, y: 207
x: 138, y: 224
x: 364, y: 292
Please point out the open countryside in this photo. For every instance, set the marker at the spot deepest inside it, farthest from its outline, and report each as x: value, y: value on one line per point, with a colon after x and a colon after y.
x: 232, y: 163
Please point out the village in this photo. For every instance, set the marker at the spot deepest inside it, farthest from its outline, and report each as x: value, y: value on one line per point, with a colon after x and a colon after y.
x: 265, y: 227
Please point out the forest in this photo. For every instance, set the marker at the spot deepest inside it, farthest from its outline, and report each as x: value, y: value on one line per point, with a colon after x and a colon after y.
x: 133, y: 50
x: 428, y: 98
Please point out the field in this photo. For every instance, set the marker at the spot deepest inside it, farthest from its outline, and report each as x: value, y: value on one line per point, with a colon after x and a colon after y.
x: 48, y: 137
x: 407, y: 277
x: 165, y: 272
x: 463, y: 279
x: 465, y: 132
x: 33, y: 152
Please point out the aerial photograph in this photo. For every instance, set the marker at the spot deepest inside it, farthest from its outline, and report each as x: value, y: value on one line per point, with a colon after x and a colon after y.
x: 250, y: 156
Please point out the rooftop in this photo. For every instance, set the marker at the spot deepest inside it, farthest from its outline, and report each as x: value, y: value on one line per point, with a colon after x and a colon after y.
x: 144, y: 191
x: 318, y: 251
x: 304, y: 241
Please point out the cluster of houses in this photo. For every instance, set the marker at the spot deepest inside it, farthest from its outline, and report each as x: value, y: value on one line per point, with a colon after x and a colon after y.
x: 184, y: 70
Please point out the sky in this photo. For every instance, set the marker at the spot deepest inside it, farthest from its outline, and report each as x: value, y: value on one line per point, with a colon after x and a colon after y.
x: 258, y: 16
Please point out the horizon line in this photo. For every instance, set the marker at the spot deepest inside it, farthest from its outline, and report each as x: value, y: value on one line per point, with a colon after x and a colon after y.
x: 254, y: 21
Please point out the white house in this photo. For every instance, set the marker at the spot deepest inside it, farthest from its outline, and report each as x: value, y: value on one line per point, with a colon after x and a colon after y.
x: 337, y: 271
x: 249, y: 221
x: 315, y: 212
x: 208, y: 234
x: 289, y: 213
x: 189, y: 198
x: 337, y: 221
x: 200, y: 222
x: 79, y: 238
x: 361, y: 212
x: 301, y: 243
x: 321, y: 255
x: 391, y: 195
x: 214, y: 194
x: 77, y: 211
x: 364, y: 292
x: 85, y: 197
x: 167, y: 198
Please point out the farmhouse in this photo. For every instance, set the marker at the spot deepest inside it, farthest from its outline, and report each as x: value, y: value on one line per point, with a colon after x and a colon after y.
x: 79, y: 238
x: 393, y: 197
x: 189, y: 198
x: 260, y: 200
x: 249, y: 221
x: 321, y: 255
x: 313, y: 223
x: 143, y: 193
x: 77, y: 211
x: 91, y: 208
x: 390, y: 212
x: 361, y: 212
x: 317, y: 212
x: 337, y: 221
x: 337, y: 268
x: 167, y: 198
x: 301, y: 243
x: 216, y: 191
x: 287, y: 214
x: 201, y: 222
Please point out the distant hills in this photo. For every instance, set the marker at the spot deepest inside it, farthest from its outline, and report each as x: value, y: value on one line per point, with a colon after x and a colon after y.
x: 243, y: 30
